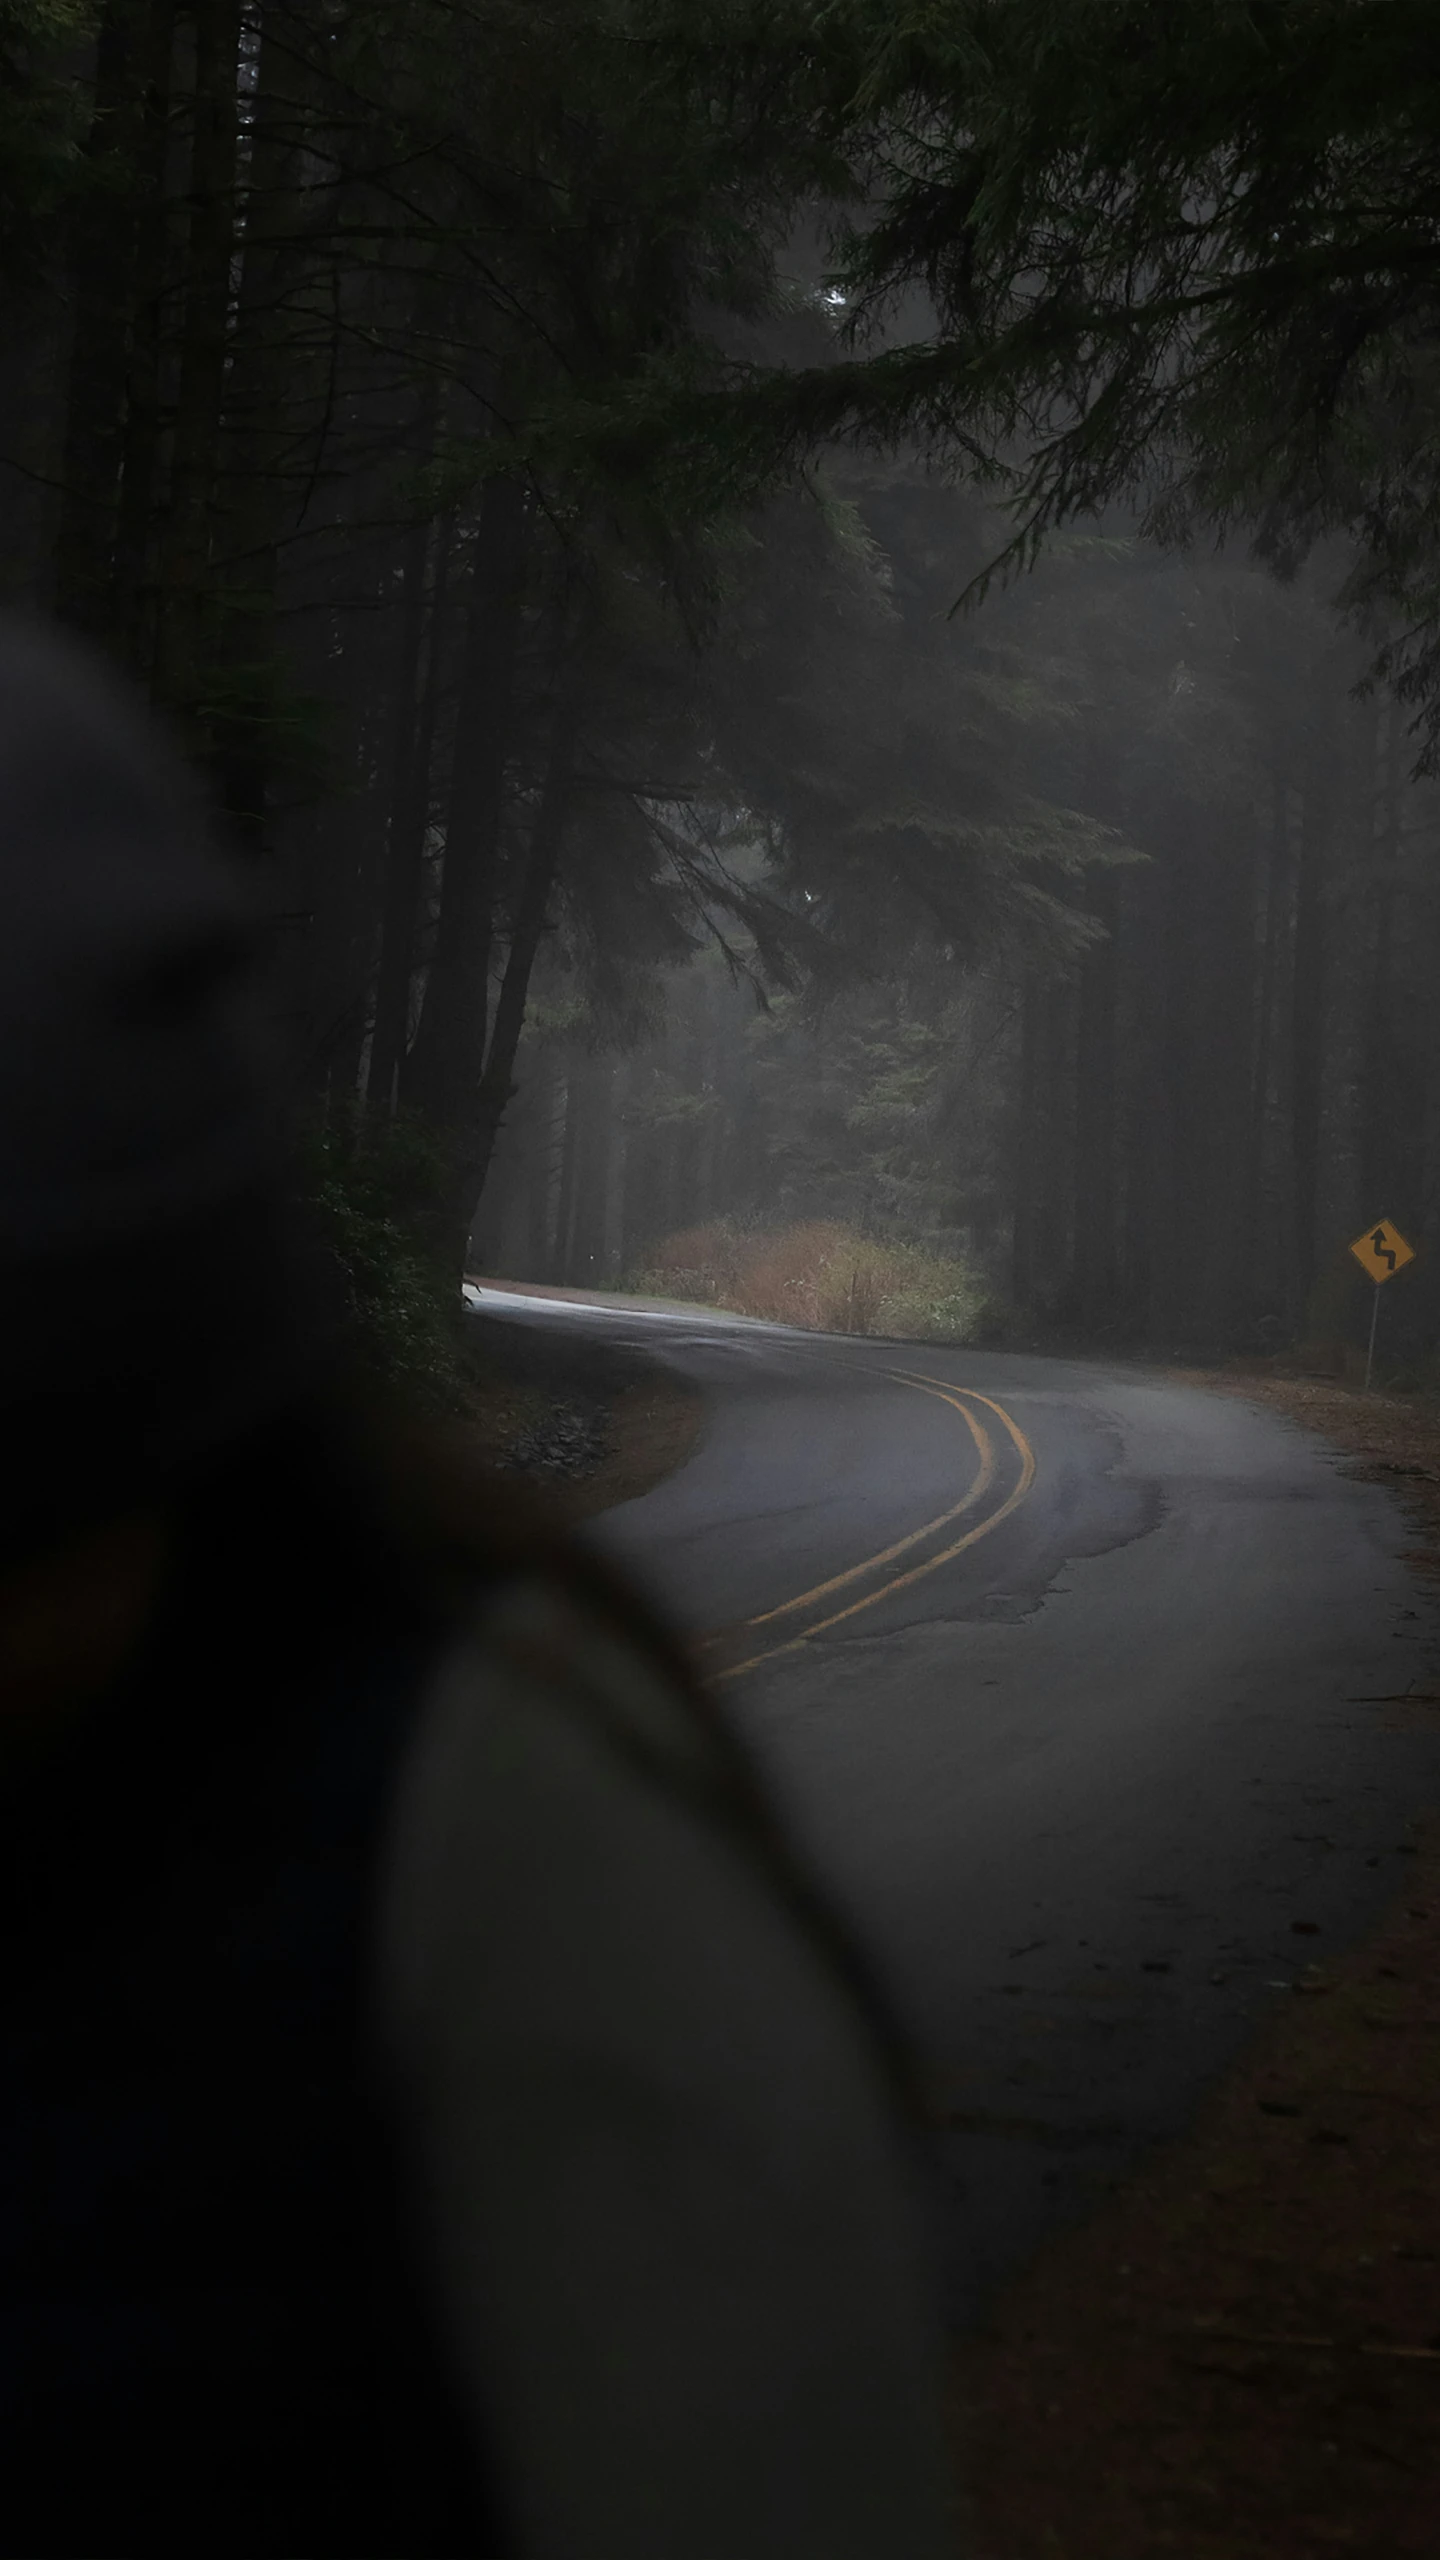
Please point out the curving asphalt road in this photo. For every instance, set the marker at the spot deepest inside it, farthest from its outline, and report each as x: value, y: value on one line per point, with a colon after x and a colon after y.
x: 1083, y: 1689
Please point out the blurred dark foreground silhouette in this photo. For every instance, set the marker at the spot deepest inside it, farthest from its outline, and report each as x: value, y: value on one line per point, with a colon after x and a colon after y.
x: 436, y: 2117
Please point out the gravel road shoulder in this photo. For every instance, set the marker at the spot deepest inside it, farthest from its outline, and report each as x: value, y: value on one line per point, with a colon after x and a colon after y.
x: 1239, y: 2357
x: 584, y: 1421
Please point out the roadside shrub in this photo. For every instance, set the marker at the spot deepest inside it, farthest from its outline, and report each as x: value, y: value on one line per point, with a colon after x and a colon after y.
x: 822, y: 1275
x: 370, y: 1184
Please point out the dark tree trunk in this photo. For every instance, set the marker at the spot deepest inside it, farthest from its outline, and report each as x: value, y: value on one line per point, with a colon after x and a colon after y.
x: 527, y: 930
x: 571, y: 1140
x: 185, y: 639
x: 418, y: 694
x: 1055, y: 1148
x: 273, y: 431
x: 102, y: 279
x: 585, y: 1248
x: 542, y: 1162
x: 133, y: 610
x: 1026, y: 1146
x: 443, y: 1072
x: 1095, y: 1239
x: 1378, y: 1113
x: 1138, y: 1136
x: 614, y: 1240
x: 1256, y: 1225
x: 1307, y: 1037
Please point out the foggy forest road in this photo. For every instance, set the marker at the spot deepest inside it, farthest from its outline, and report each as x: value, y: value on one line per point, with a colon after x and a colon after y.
x: 1096, y: 1785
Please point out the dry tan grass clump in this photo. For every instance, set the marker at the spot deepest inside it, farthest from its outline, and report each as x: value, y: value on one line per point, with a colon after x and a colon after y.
x: 820, y: 1274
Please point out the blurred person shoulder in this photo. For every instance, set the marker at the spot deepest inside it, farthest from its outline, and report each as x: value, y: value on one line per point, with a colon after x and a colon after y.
x: 653, y: 2110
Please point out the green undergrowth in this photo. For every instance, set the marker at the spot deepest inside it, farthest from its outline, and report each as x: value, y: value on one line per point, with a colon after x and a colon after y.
x: 371, y: 1186
x: 372, y: 1189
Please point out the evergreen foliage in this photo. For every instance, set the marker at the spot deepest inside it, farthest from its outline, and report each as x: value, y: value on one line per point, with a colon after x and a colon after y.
x: 40, y: 131
x: 534, y: 455
x: 1187, y: 260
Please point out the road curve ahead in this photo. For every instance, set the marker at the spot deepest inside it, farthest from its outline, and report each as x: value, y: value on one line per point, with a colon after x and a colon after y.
x: 1084, y: 1690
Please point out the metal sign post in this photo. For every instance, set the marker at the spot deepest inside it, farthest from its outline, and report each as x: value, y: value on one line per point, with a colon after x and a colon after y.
x: 1382, y: 1251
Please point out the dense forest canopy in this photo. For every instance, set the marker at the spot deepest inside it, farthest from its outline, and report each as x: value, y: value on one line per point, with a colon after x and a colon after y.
x: 552, y: 464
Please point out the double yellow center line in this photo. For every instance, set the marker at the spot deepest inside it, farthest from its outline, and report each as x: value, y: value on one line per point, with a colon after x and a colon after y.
x: 962, y: 1399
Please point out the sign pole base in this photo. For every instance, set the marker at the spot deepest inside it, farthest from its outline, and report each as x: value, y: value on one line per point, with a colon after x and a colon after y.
x: 1370, y: 1354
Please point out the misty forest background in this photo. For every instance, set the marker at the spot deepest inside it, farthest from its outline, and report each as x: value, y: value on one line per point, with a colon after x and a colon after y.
x: 546, y: 461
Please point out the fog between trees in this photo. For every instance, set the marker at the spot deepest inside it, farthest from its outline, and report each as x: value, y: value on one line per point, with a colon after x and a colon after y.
x: 479, y: 431
x: 1153, y: 1115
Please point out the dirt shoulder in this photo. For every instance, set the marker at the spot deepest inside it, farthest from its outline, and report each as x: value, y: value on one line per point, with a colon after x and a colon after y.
x: 1239, y: 2359
x: 1392, y: 1439
x: 585, y: 1421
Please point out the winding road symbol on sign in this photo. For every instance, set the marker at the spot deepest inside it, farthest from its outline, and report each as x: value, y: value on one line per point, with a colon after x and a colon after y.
x: 1382, y: 1252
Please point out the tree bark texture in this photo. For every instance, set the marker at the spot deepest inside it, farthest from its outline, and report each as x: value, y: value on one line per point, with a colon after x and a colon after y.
x: 185, y: 638
x: 417, y: 689
x: 443, y: 1072
x: 101, y: 288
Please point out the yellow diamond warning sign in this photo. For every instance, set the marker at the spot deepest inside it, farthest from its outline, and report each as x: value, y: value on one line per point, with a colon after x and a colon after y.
x: 1382, y: 1251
